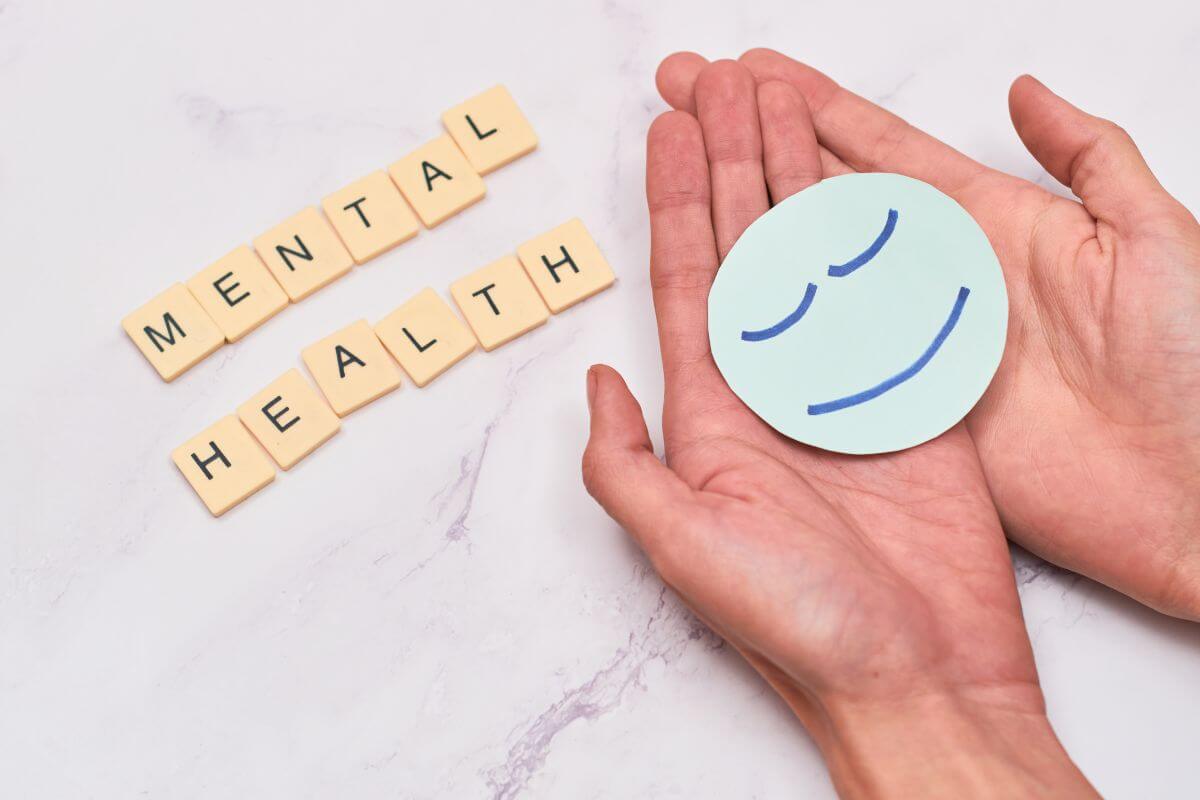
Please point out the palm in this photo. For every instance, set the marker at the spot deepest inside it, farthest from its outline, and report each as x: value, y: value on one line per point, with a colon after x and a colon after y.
x: 888, y: 567
x: 1096, y: 398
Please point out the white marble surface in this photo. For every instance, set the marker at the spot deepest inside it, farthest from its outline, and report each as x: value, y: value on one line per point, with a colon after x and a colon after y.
x: 431, y: 606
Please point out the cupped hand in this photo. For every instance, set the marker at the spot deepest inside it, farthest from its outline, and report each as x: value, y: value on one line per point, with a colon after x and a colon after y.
x: 1089, y: 436
x: 874, y: 593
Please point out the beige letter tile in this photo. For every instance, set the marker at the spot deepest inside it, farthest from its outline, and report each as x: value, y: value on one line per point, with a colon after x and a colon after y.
x: 425, y: 336
x: 566, y: 265
x: 370, y: 216
x: 351, y: 368
x: 289, y: 418
x: 238, y: 293
x: 490, y: 129
x: 173, y: 332
x: 303, y: 254
x: 224, y: 465
x: 499, y: 302
x: 437, y: 180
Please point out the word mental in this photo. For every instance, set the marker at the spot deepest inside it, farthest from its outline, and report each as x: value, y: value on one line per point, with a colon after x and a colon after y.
x: 248, y: 286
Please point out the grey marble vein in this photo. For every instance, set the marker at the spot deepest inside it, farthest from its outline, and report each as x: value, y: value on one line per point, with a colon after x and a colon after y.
x: 666, y: 633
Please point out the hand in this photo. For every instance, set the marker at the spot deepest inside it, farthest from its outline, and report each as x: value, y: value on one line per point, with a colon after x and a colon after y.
x: 874, y: 593
x: 1090, y: 433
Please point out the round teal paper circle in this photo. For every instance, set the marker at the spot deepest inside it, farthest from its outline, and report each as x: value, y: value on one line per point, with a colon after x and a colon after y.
x: 865, y: 314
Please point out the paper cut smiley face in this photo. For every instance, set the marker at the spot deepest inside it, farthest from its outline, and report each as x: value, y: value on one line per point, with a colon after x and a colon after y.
x: 866, y: 314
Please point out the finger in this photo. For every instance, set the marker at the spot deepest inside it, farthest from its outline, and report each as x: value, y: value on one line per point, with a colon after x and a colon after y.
x: 863, y: 135
x: 676, y: 79
x: 727, y: 107
x: 620, y: 469
x: 791, y: 156
x: 683, y: 254
x: 1095, y: 158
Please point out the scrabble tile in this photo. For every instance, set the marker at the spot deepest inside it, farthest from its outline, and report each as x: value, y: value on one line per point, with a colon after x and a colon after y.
x: 490, y: 129
x: 351, y: 368
x: 499, y: 302
x: 425, y: 336
x: 370, y: 216
x: 224, y: 465
x: 303, y: 254
x: 289, y: 418
x: 238, y: 293
x: 565, y: 265
x: 437, y: 180
x: 173, y: 332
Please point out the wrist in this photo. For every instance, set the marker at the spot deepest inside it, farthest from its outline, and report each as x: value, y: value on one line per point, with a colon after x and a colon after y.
x: 943, y: 746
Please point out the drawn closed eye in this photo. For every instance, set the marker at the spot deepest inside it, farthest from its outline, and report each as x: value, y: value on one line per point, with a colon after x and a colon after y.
x: 785, y: 323
x: 842, y: 270
x: 835, y: 271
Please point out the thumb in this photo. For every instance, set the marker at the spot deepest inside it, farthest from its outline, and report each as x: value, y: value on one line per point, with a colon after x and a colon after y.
x: 620, y: 469
x: 1094, y: 157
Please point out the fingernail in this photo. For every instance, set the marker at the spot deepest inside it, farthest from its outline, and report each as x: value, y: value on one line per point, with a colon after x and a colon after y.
x: 591, y: 387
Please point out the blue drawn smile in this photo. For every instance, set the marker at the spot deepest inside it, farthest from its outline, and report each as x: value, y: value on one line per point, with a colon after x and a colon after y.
x: 904, y: 374
x: 841, y: 271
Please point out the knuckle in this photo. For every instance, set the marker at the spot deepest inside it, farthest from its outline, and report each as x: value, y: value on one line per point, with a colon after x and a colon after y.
x: 791, y: 176
x: 734, y: 150
x: 890, y: 140
x: 1114, y: 132
x: 683, y: 266
x: 591, y: 469
x: 601, y: 472
x: 679, y: 279
x: 689, y: 194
